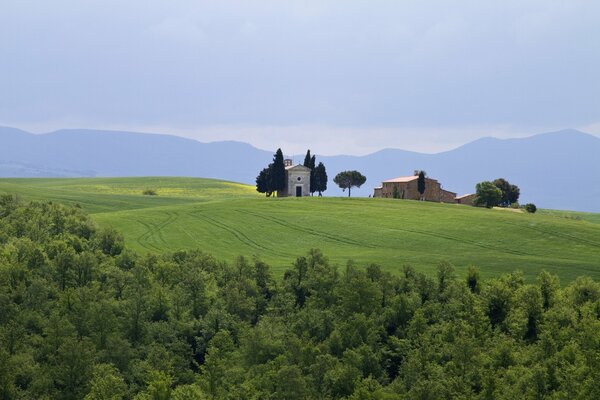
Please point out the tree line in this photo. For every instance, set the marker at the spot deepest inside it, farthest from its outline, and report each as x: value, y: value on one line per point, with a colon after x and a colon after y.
x: 83, y: 317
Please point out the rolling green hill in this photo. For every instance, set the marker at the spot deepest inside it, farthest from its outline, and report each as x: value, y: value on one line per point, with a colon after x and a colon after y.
x: 228, y: 219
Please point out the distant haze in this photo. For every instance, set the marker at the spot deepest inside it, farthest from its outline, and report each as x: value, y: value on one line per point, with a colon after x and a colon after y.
x: 339, y: 77
x: 554, y: 170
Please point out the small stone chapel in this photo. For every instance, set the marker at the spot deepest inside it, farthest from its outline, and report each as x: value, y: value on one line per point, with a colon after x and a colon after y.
x: 298, y: 180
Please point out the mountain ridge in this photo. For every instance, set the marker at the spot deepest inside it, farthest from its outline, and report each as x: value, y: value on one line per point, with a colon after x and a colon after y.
x: 543, y: 165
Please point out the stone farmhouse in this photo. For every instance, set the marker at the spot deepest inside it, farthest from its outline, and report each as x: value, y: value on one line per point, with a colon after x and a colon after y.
x: 467, y: 199
x: 298, y: 180
x: 406, y: 187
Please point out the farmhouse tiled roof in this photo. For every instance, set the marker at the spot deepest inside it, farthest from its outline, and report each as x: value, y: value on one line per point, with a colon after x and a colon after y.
x: 402, y: 179
x: 406, y: 179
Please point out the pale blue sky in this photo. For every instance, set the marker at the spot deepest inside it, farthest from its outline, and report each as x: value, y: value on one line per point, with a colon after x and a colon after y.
x: 336, y: 76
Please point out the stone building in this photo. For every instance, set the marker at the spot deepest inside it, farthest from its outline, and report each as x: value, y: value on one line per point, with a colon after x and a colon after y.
x: 406, y: 187
x: 466, y: 199
x: 298, y: 180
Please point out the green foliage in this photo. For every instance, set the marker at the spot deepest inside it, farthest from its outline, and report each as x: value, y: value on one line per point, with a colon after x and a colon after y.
x: 530, y: 208
x: 349, y: 179
x: 278, y: 181
x: 188, y: 392
x: 308, y: 159
x: 487, y: 195
x: 312, y: 165
x: 106, y: 384
x: 263, y: 181
x: 310, y: 162
x: 510, y: 193
x: 229, y: 219
x: 272, y: 178
x: 421, y: 183
x: 150, y: 192
x: 80, y: 322
x: 318, y: 174
x: 473, y: 279
x: 320, y: 179
x: 110, y: 241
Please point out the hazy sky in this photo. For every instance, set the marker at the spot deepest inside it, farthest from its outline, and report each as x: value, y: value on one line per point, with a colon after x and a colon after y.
x: 335, y: 76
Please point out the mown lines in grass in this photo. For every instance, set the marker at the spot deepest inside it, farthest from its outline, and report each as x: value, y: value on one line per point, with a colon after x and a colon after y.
x: 461, y: 240
x: 556, y: 233
x: 193, y: 238
x: 155, y: 230
x: 242, y: 237
x: 388, y: 232
x: 310, y: 231
x: 142, y: 240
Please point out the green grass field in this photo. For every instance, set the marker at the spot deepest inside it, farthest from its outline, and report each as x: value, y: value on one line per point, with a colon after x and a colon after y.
x: 573, y: 215
x: 228, y: 219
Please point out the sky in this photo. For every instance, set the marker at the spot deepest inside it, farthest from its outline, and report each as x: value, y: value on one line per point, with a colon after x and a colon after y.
x: 338, y: 77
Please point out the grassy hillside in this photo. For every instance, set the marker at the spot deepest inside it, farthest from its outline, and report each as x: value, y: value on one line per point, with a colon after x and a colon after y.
x: 116, y: 194
x: 573, y: 215
x: 228, y: 219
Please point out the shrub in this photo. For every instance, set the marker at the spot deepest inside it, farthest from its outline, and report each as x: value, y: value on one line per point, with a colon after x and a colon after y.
x: 530, y: 208
x: 150, y: 192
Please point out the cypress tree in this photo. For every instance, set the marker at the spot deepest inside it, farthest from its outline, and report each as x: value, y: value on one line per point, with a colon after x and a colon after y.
x: 421, y: 183
x: 312, y: 167
x: 307, y: 159
x: 278, y: 182
x: 309, y: 162
x: 263, y: 181
x: 320, y: 178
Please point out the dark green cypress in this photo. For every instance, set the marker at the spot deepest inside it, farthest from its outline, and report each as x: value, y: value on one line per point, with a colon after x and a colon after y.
x: 421, y: 183
x: 320, y: 178
x: 278, y: 182
x: 307, y: 159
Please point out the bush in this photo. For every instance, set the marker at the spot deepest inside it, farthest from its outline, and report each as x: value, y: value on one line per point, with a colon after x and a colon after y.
x: 150, y: 192
x: 516, y: 206
x: 530, y: 208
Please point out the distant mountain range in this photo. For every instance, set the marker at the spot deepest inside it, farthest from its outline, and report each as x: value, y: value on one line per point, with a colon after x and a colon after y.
x: 557, y: 170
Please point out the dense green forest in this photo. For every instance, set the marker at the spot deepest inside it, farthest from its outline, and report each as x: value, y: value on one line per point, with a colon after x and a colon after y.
x: 82, y: 317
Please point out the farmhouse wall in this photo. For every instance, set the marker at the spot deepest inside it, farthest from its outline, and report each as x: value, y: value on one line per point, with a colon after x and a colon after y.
x: 447, y: 196
x: 410, y: 191
x: 468, y: 199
